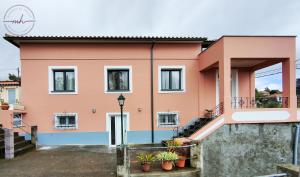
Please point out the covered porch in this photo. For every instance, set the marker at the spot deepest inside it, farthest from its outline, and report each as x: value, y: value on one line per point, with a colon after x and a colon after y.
x: 227, y: 72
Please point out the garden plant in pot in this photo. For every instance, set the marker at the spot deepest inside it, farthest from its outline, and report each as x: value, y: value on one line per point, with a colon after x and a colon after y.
x: 167, y: 159
x: 146, y: 160
x: 4, y: 105
x: 174, y: 146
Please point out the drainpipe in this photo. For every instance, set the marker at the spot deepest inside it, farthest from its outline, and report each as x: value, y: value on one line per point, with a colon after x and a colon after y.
x: 152, y: 93
x: 296, y: 141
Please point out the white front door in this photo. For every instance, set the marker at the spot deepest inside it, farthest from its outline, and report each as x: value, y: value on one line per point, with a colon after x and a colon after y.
x: 115, y: 133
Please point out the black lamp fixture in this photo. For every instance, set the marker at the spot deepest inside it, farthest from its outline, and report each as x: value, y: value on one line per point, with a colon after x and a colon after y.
x: 121, y: 100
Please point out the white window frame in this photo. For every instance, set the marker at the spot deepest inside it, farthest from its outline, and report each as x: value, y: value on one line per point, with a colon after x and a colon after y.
x: 177, y: 119
x: 106, y: 68
x: 182, y: 68
x: 51, y: 80
x: 108, y: 125
x: 65, y: 114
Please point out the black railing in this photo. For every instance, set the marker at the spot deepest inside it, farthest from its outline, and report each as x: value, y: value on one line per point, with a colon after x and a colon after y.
x: 259, y: 102
x: 215, y: 112
x: 298, y: 101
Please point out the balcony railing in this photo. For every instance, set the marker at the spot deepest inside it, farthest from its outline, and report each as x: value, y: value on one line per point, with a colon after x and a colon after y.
x: 260, y: 102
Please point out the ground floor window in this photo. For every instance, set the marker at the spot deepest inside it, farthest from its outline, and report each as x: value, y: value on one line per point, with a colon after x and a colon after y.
x: 66, y: 121
x: 167, y: 119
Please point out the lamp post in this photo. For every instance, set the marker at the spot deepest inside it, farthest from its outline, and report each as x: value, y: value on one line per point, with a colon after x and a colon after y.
x: 121, y: 100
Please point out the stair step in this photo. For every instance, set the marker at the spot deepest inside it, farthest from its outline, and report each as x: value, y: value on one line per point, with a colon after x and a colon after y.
x: 23, y: 150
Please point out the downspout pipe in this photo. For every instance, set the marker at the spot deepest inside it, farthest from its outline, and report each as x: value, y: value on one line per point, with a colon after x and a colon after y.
x: 152, y: 90
x: 296, y: 141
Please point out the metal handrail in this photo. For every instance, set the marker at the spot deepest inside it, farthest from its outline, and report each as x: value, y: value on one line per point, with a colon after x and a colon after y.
x: 259, y: 102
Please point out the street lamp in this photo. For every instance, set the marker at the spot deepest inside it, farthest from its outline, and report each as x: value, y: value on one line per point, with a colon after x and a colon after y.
x: 121, y: 100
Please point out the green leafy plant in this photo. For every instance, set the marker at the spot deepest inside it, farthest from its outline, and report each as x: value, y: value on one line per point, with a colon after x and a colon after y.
x: 145, y: 158
x: 172, y: 145
x: 166, y: 156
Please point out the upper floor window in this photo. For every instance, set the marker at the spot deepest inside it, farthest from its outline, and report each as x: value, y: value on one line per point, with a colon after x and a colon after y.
x: 171, y: 79
x: 117, y: 79
x: 62, y: 79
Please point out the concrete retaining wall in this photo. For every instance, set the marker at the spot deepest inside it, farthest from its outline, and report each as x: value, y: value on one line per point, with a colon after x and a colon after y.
x: 247, y: 150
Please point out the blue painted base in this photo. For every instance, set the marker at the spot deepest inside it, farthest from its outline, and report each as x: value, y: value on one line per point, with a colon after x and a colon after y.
x: 99, y: 138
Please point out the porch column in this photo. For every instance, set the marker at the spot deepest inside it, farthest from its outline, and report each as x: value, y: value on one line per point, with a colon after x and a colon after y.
x: 252, y: 84
x: 289, y: 84
x: 225, y: 85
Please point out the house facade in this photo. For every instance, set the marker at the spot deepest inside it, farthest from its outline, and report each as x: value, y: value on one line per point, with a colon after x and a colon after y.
x: 70, y: 85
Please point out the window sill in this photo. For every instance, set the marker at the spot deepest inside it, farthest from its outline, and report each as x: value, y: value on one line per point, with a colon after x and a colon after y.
x: 118, y: 91
x: 167, y: 126
x: 63, y: 93
x: 171, y: 91
x: 65, y: 128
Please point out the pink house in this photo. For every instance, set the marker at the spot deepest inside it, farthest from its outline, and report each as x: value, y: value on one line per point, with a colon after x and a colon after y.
x: 174, y: 86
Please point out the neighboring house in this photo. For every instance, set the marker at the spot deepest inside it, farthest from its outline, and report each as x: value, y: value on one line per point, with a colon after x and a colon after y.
x: 70, y: 85
x: 10, y: 91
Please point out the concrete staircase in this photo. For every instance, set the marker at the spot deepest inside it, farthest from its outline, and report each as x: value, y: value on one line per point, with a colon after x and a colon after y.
x: 195, y: 126
x: 21, y: 145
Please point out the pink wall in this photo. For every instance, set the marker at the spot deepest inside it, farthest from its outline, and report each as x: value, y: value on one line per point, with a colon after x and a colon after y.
x: 90, y: 60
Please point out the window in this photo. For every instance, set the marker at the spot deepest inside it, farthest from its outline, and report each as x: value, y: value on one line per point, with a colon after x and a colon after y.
x: 171, y: 79
x: 167, y: 119
x: 62, y: 80
x: 118, y: 79
x: 17, y: 120
x: 66, y: 121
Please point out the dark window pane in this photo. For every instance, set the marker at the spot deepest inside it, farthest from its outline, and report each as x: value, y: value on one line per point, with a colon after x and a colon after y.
x: 71, y: 120
x: 165, y: 80
x: 118, y: 80
x: 62, y: 120
x: 59, y: 81
x: 70, y: 81
x: 113, y: 136
x: 175, y: 80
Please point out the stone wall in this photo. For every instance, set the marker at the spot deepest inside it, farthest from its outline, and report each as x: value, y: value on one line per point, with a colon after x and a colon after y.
x: 242, y: 150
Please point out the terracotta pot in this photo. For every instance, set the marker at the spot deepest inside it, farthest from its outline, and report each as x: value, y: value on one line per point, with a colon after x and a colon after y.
x: 146, y: 167
x: 180, y: 163
x: 4, y: 107
x: 167, y: 165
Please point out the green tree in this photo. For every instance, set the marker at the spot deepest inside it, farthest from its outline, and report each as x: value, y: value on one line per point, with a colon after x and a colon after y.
x: 13, y: 77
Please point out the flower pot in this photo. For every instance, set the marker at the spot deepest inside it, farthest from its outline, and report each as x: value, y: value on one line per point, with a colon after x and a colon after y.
x: 180, y: 163
x: 146, y: 167
x: 4, y: 107
x: 167, y: 165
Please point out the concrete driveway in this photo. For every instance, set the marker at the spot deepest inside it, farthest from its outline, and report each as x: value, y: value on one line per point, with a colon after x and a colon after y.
x: 62, y: 161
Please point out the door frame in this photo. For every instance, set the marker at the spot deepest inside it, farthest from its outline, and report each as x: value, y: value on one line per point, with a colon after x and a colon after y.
x: 108, y: 125
x: 218, y: 84
x: 9, y: 96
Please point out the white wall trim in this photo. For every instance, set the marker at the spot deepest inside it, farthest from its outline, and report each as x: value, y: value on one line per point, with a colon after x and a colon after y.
x: 51, y: 84
x: 129, y: 67
x: 260, y: 116
x: 210, y: 129
x: 108, y: 126
x: 167, y: 126
x: 65, y: 114
x: 183, y: 77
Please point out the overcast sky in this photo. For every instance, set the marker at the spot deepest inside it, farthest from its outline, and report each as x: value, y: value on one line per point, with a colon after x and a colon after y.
x: 207, y: 18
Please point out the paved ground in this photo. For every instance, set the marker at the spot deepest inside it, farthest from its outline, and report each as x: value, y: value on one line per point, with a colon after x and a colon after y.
x: 63, y: 161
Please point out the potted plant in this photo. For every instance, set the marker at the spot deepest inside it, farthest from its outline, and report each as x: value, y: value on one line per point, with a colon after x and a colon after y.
x: 4, y: 105
x: 208, y: 113
x: 167, y: 159
x: 174, y: 146
x: 145, y: 160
